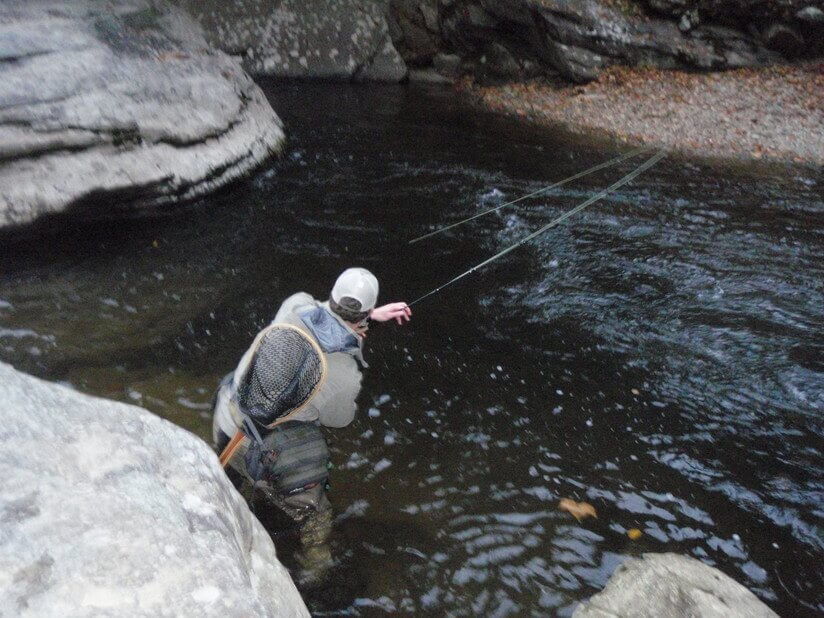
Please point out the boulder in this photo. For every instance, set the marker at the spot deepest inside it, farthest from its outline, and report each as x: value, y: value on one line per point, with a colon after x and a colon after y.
x: 121, y: 106
x: 811, y: 15
x: 784, y: 40
x: 344, y: 39
x: 577, y: 64
x: 108, y: 510
x: 499, y: 63
x: 415, y: 29
x: 733, y: 12
x: 658, y: 585
x: 809, y: 24
x: 740, y: 12
x: 672, y: 8
x: 514, y: 11
x: 448, y: 65
x: 637, y: 39
x: 578, y: 39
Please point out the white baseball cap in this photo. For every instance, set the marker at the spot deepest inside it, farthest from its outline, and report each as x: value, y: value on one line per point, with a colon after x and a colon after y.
x: 357, y: 283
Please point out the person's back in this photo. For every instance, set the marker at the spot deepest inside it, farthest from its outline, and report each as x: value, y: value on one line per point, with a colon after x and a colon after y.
x: 335, y: 403
x: 294, y: 451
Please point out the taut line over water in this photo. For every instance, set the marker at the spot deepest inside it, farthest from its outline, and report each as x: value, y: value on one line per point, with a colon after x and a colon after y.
x: 641, y: 168
x: 586, y: 172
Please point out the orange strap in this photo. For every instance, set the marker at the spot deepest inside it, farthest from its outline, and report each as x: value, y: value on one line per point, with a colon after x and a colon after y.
x: 234, y: 445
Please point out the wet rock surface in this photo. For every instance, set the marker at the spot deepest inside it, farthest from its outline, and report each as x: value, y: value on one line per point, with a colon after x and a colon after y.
x: 347, y: 39
x: 119, y: 107
x: 109, y: 510
x: 579, y: 39
x: 672, y: 585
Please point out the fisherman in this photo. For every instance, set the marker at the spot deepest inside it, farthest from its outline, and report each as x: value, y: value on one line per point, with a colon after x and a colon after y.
x: 289, y: 461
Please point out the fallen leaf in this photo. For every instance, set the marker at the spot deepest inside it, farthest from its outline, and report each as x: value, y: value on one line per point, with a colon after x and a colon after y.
x: 579, y: 510
x: 634, y: 534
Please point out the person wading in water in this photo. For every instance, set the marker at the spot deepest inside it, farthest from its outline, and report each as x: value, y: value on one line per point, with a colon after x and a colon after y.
x: 301, y: 371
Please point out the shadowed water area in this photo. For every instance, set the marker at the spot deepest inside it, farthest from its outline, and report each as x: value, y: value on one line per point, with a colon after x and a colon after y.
x: 659, y: 355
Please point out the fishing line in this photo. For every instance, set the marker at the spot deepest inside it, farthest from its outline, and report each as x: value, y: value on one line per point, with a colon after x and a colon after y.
x: 641, y: 168
x: 600, y: 166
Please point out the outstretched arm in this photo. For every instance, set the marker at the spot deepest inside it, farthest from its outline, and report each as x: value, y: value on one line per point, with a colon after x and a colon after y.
x: 400, y: 312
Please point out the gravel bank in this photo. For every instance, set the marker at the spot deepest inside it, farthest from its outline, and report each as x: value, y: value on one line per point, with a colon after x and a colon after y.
x: 776, y: 113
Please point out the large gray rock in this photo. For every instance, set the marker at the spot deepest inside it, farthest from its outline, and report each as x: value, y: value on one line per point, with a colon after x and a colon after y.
x: 107, y: 510
x: 784, y: 39
x: 415, y: 30
x: 578, y: 39
x: 731, y: 11
x: 119, y: 103
x: 672, y: 586
x: 344, y: 39
x: 810, y: 14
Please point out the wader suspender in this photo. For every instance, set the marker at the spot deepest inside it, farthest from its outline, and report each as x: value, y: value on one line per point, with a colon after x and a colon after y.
x: 239, y: 437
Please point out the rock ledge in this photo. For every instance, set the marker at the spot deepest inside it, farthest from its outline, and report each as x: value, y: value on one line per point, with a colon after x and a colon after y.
x: 108, y: 510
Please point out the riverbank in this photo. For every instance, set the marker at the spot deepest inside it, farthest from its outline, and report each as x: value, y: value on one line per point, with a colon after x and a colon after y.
x: 773, y: 114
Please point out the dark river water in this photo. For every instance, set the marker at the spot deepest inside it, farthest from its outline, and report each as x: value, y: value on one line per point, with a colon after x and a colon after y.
x: 660, y: 355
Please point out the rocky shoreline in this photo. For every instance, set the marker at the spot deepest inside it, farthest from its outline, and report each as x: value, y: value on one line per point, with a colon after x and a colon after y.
x: 773, y: 114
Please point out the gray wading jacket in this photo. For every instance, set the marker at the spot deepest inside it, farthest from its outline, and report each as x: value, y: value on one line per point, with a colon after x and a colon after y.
x: 334, y: 404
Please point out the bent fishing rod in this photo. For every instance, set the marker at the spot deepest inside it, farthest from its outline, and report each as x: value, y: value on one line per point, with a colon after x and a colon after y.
x: 587, y: 172
x: 637, y: 171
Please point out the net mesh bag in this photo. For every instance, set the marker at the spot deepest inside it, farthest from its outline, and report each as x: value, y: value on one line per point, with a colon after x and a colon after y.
x: 283, y: 374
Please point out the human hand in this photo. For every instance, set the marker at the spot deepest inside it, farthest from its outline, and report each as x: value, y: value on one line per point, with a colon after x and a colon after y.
x: 400, y: 312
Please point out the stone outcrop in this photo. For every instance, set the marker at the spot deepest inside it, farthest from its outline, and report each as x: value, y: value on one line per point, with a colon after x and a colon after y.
x: 657, y: 585
x: 514, y: 39
x: 415, y: 30
x: 108, y: 510
x: 344, y: 39
x: 119, y: 106
x: 734, y: 12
